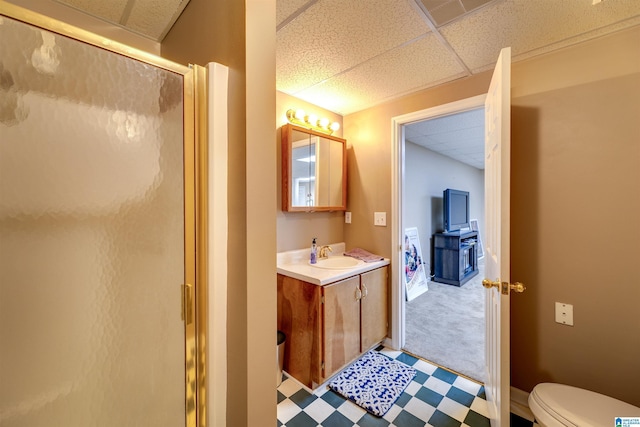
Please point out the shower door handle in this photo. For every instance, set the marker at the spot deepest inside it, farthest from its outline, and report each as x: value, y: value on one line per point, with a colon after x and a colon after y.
x: 187, y: 303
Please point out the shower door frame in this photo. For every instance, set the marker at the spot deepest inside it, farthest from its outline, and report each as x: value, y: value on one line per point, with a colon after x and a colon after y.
x: 194, y: 294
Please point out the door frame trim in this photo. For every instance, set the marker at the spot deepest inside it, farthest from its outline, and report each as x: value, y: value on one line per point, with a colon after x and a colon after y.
x: 397, y: 180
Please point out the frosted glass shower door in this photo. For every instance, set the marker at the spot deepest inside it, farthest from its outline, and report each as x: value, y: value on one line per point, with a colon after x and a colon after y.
x: 92, y: 235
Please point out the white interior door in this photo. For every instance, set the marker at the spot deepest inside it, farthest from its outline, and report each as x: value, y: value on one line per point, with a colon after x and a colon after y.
x: 497, y: 250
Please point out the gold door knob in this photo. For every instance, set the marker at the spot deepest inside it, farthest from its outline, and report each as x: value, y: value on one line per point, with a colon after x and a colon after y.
x: 504, y: 287
x: 517, y: 287
x: 491, y: 284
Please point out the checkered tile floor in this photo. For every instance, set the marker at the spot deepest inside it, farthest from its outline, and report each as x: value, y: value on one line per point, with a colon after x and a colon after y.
x: 436, y: 397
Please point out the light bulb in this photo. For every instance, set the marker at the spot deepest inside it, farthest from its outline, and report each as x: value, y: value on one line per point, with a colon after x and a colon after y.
x: 334, y: 126
x: 299, y: 115
x: 323, y: 123
x: 312, y: 119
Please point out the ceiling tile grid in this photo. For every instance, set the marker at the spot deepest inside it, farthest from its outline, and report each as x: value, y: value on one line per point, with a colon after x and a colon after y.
x: 330, y: 38
x: 531, y: 27
x: 417, y: 65
x: 287, y: 8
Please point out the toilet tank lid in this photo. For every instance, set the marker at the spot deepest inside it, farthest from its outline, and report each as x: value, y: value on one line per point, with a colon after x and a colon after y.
x: 581, y: 407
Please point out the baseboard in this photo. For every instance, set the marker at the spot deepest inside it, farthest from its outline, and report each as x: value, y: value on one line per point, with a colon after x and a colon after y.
x: 520, y: 404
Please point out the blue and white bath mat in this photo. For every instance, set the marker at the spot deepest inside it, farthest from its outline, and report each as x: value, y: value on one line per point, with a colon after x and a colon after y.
x: 373, y: 382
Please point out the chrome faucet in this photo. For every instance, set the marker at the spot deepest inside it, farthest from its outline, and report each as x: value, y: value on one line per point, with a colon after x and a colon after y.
x: 323, y: 252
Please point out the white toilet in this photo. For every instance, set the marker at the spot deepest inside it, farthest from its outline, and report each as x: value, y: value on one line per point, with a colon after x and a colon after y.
x: 558, y: 405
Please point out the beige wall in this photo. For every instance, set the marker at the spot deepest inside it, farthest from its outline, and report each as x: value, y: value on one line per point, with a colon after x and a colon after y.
x: 575, y: 186
x: 297, y: 229
x: 241, y: 35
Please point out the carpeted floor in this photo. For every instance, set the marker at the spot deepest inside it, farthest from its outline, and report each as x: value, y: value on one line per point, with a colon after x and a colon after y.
x: 446, y: 325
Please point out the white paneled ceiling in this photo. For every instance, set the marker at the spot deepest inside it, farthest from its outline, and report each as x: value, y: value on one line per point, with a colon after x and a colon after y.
x: 459, y: 136
x: 348, y: 56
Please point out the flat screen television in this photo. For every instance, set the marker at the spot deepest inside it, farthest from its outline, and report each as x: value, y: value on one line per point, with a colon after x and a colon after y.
x: 456, y: 210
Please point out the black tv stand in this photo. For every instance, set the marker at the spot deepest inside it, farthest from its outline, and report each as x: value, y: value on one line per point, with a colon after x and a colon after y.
x: 455, y: 257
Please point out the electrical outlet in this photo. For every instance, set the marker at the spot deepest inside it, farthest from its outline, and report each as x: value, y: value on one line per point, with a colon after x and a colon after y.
x: 564, y: 314
x: 380, y: 219
x: 347, y: 217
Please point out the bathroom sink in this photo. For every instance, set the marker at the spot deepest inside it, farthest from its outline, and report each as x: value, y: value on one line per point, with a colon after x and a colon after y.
x: 337, y: 262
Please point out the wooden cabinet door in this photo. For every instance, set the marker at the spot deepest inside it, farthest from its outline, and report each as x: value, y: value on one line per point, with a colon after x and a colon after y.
x: 341, y: 324
x: 299, y: 317
x: 374, y: 307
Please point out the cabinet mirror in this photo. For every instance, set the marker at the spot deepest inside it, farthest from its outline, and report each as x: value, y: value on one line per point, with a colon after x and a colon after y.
x: 314, y: 171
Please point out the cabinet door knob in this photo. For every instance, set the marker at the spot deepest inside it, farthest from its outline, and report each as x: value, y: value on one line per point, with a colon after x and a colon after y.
x: 365, y: 291
x: 358, y: 294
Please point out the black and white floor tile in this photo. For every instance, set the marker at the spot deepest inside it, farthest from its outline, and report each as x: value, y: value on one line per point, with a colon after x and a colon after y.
x: 436, y: 397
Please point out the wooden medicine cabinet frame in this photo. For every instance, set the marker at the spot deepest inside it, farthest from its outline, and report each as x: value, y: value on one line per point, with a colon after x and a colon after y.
x: 327, y: 180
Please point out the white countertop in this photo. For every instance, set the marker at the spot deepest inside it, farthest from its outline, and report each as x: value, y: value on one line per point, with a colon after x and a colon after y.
x: 296, y: 264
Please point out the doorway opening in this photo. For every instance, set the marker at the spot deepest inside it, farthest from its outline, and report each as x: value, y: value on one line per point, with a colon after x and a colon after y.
x: 437, y: 149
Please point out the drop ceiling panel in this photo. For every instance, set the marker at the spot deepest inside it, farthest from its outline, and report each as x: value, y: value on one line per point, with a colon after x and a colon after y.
x: 474, y: 4
x: 414, y: 66
x: 533, y: 27
x: 443, y: 11
x: 330, y: 38
x: 111, y: 10
x: 432, y: 4
x: 154, y: 17
x: 447, y: 12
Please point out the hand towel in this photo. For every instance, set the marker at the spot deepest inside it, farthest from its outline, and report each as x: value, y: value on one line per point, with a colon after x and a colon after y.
x: 363, y: 255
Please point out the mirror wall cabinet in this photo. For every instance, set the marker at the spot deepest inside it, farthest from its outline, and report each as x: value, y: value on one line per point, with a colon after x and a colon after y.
x: 314, y: 171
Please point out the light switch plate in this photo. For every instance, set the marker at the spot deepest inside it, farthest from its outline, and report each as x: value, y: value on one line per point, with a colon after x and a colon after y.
x: 380, y: 219
x: 564, y: 314
x: 347, y: 217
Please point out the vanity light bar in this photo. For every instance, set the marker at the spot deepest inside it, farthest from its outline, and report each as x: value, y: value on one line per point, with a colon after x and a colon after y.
x: 299, y: 117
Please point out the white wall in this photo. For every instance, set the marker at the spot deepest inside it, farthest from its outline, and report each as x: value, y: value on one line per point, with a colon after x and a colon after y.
x: 427, y: 174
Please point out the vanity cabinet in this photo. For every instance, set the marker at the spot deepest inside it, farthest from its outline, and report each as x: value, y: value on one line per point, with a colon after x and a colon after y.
x: 328, y: 327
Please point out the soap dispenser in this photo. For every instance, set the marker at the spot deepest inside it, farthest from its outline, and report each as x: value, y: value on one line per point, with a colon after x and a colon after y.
x: 314, y: 252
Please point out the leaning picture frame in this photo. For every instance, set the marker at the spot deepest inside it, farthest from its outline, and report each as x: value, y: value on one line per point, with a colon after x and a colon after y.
x: 474, y: 227
x: 415, y: 278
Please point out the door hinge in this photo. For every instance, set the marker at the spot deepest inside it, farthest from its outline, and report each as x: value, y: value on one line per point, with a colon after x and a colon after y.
x: 187, y: 303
